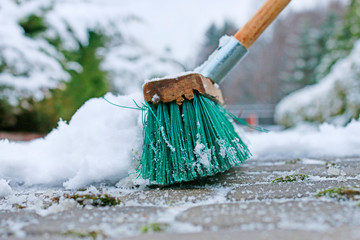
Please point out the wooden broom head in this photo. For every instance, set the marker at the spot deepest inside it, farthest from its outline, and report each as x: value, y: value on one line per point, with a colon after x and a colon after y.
x: 181, y: 88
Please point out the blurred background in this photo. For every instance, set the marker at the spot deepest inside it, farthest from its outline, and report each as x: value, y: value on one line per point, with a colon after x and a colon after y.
x: 55, y: 55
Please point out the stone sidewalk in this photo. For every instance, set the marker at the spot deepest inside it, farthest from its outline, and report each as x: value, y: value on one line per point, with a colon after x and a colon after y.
x: 241, y: 203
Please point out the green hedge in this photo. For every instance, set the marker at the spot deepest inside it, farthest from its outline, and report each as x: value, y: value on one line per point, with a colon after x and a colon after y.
x: 91, y: 81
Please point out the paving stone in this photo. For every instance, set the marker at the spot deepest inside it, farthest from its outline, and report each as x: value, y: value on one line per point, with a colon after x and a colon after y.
x: 315, y: 170
x: 288, y: 215
x: 274, y: 168
x: 309, y: 161
x: 285, y: 190
x: 81, y: 220
x: 233, y: 178
x: 266, y: 171
x: 245, y: 204
x: 238, y: 177
x: 335, y: 234
x: 168, y: 196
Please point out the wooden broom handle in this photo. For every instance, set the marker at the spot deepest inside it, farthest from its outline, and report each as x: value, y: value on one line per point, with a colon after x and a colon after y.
x: 260, y: 21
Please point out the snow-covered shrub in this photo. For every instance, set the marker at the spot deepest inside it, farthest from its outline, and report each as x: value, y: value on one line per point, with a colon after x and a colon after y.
x: 27, y: 65
x: 48, y: 67
x: 336, y: 98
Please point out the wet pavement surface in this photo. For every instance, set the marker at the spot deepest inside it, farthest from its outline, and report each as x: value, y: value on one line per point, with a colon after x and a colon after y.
x: 244, y: 202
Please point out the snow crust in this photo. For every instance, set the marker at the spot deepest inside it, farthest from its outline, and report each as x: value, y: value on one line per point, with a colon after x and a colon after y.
x: 99, y: 144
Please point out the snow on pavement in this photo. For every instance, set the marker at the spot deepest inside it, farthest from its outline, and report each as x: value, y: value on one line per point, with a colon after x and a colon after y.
x: 102, y: 143
x: 97, y: 145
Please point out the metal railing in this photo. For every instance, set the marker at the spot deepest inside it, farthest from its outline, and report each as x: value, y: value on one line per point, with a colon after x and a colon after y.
x: 264, y: 113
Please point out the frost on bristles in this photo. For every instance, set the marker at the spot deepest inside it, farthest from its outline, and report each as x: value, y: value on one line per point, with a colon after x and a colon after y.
x: 184, y: 143
x: 203, y: 154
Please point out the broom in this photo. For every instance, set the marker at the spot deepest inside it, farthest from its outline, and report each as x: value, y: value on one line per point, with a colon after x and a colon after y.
x: 187, y: 134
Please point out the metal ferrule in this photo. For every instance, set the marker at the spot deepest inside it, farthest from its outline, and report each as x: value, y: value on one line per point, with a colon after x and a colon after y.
x: 223, y: 60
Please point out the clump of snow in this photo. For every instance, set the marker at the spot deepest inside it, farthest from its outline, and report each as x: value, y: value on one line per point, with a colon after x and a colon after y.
x: 222, y: 42
x: 63, y: 205
x: 203, y: 154
x: 99, y: 144
x: 335, y: 171
x: 5, y: 189
x: 155, y: 98
x: 326, y: 140
x: 336, y: 98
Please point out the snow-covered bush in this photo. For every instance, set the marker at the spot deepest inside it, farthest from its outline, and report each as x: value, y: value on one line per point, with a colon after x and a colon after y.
x: 336, y: 98
x: 80, y: 48
x: 27, y: 65
x: 31, y: 63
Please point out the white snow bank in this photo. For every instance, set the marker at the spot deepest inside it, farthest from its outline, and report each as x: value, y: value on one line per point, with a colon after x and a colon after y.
x: 322, y: 141
x: 97, y: 145
x: 338, y: 94
x: 5, y: 189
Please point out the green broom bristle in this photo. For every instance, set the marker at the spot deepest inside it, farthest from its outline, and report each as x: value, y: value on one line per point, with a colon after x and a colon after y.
x: 187, y: 142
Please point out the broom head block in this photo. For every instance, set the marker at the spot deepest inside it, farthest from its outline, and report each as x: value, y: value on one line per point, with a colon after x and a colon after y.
x: 181, y: 88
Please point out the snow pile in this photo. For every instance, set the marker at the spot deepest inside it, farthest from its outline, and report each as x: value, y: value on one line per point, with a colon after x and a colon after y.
x: 5, y: 189
x: 308, y: 141
x: 336, y: 98
x: 99, y: 144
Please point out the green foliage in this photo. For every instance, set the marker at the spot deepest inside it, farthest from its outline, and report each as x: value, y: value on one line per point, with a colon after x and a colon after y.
x: 153, y: 227
x: 343, y: 41
x: 87, y: 82
x: 33, y: 25
x: 293, y: 161
x: 331, y: 165
x: 22, y: 117
x: 341, y: 193
x: 84, y: 234
x: 6, y: 118
x: 312, y: 48
x: 291, y: 178
x: 96, y: 200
